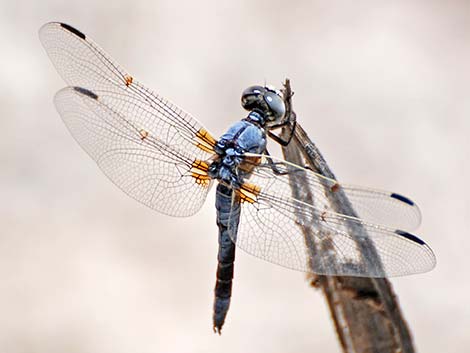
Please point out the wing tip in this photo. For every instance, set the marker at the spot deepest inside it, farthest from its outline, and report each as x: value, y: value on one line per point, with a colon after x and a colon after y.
x: 72, y: 30
x: 402, y: 199
x: 85, y: 92
x: 65, y: 26
x: 431, y: 257
x: 410, y: 236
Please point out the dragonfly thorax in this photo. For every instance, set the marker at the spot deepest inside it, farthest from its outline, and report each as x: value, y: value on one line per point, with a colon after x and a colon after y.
x: 245, y: 136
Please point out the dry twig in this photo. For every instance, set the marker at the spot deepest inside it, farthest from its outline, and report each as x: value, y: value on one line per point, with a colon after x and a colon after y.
x: 365, y: 311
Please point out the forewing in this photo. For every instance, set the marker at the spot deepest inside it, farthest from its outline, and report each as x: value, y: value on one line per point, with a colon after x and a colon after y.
x: 298, y: 232
x: 150, y: 148
x: 379, y: 206
x: 371, y: 205
x: 82, y: 63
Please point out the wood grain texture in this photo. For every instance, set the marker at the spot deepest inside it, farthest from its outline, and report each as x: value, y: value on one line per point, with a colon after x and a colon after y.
x: 365, y: 311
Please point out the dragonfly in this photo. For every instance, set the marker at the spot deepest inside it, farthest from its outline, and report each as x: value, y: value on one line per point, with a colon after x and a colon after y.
x: 164, y: 158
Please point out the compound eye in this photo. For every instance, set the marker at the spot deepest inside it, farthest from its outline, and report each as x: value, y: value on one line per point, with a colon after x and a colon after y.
x: 252, y: 97
x: 276, y: 105
x: 254, y: 90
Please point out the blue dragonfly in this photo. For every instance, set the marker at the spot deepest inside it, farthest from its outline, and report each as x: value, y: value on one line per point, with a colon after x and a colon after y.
x: 163, y: 157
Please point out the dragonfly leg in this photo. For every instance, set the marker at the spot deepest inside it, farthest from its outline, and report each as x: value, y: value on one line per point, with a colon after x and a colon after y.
x: 273, y: 165
x: 283, y: 142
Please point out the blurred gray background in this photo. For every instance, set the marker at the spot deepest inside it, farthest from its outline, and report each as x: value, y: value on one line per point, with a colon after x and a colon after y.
x: 381, y: 86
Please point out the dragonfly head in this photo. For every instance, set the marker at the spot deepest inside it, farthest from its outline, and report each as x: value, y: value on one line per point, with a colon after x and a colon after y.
x: 265, y: 100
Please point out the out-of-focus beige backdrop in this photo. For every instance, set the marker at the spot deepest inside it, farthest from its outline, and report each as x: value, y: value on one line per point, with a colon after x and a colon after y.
x: 381, y: 86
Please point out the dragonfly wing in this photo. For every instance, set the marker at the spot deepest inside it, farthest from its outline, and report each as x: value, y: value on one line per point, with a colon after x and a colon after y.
x: 147, y: 169
x: 299, y: 232
x: 383, y: 207
x: 149, y: 147
x: 371, y: 205
x: 82, y: 63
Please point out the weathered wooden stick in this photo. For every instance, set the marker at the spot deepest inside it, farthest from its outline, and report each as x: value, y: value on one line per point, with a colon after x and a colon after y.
x: 365, y: 311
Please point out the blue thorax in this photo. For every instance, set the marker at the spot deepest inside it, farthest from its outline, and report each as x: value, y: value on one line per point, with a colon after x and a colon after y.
x: 245, y: 136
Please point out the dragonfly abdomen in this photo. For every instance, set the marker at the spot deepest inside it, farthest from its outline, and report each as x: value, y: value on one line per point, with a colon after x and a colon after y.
x: 228, y: 216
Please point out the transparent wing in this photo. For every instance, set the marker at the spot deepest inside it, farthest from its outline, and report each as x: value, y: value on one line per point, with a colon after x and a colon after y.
x: 147, y: 146
x: 82, y: 63
x: 300, y: 233
x: 147, y: 169
x: 371, y: 205
x: 382, y: 207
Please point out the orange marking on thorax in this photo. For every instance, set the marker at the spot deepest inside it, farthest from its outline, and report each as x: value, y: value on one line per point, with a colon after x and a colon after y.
x: 128, y: 79
x: 205, y: 141
x: 199, y: 172
x: 248, y: 192
x: 249, y: 163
